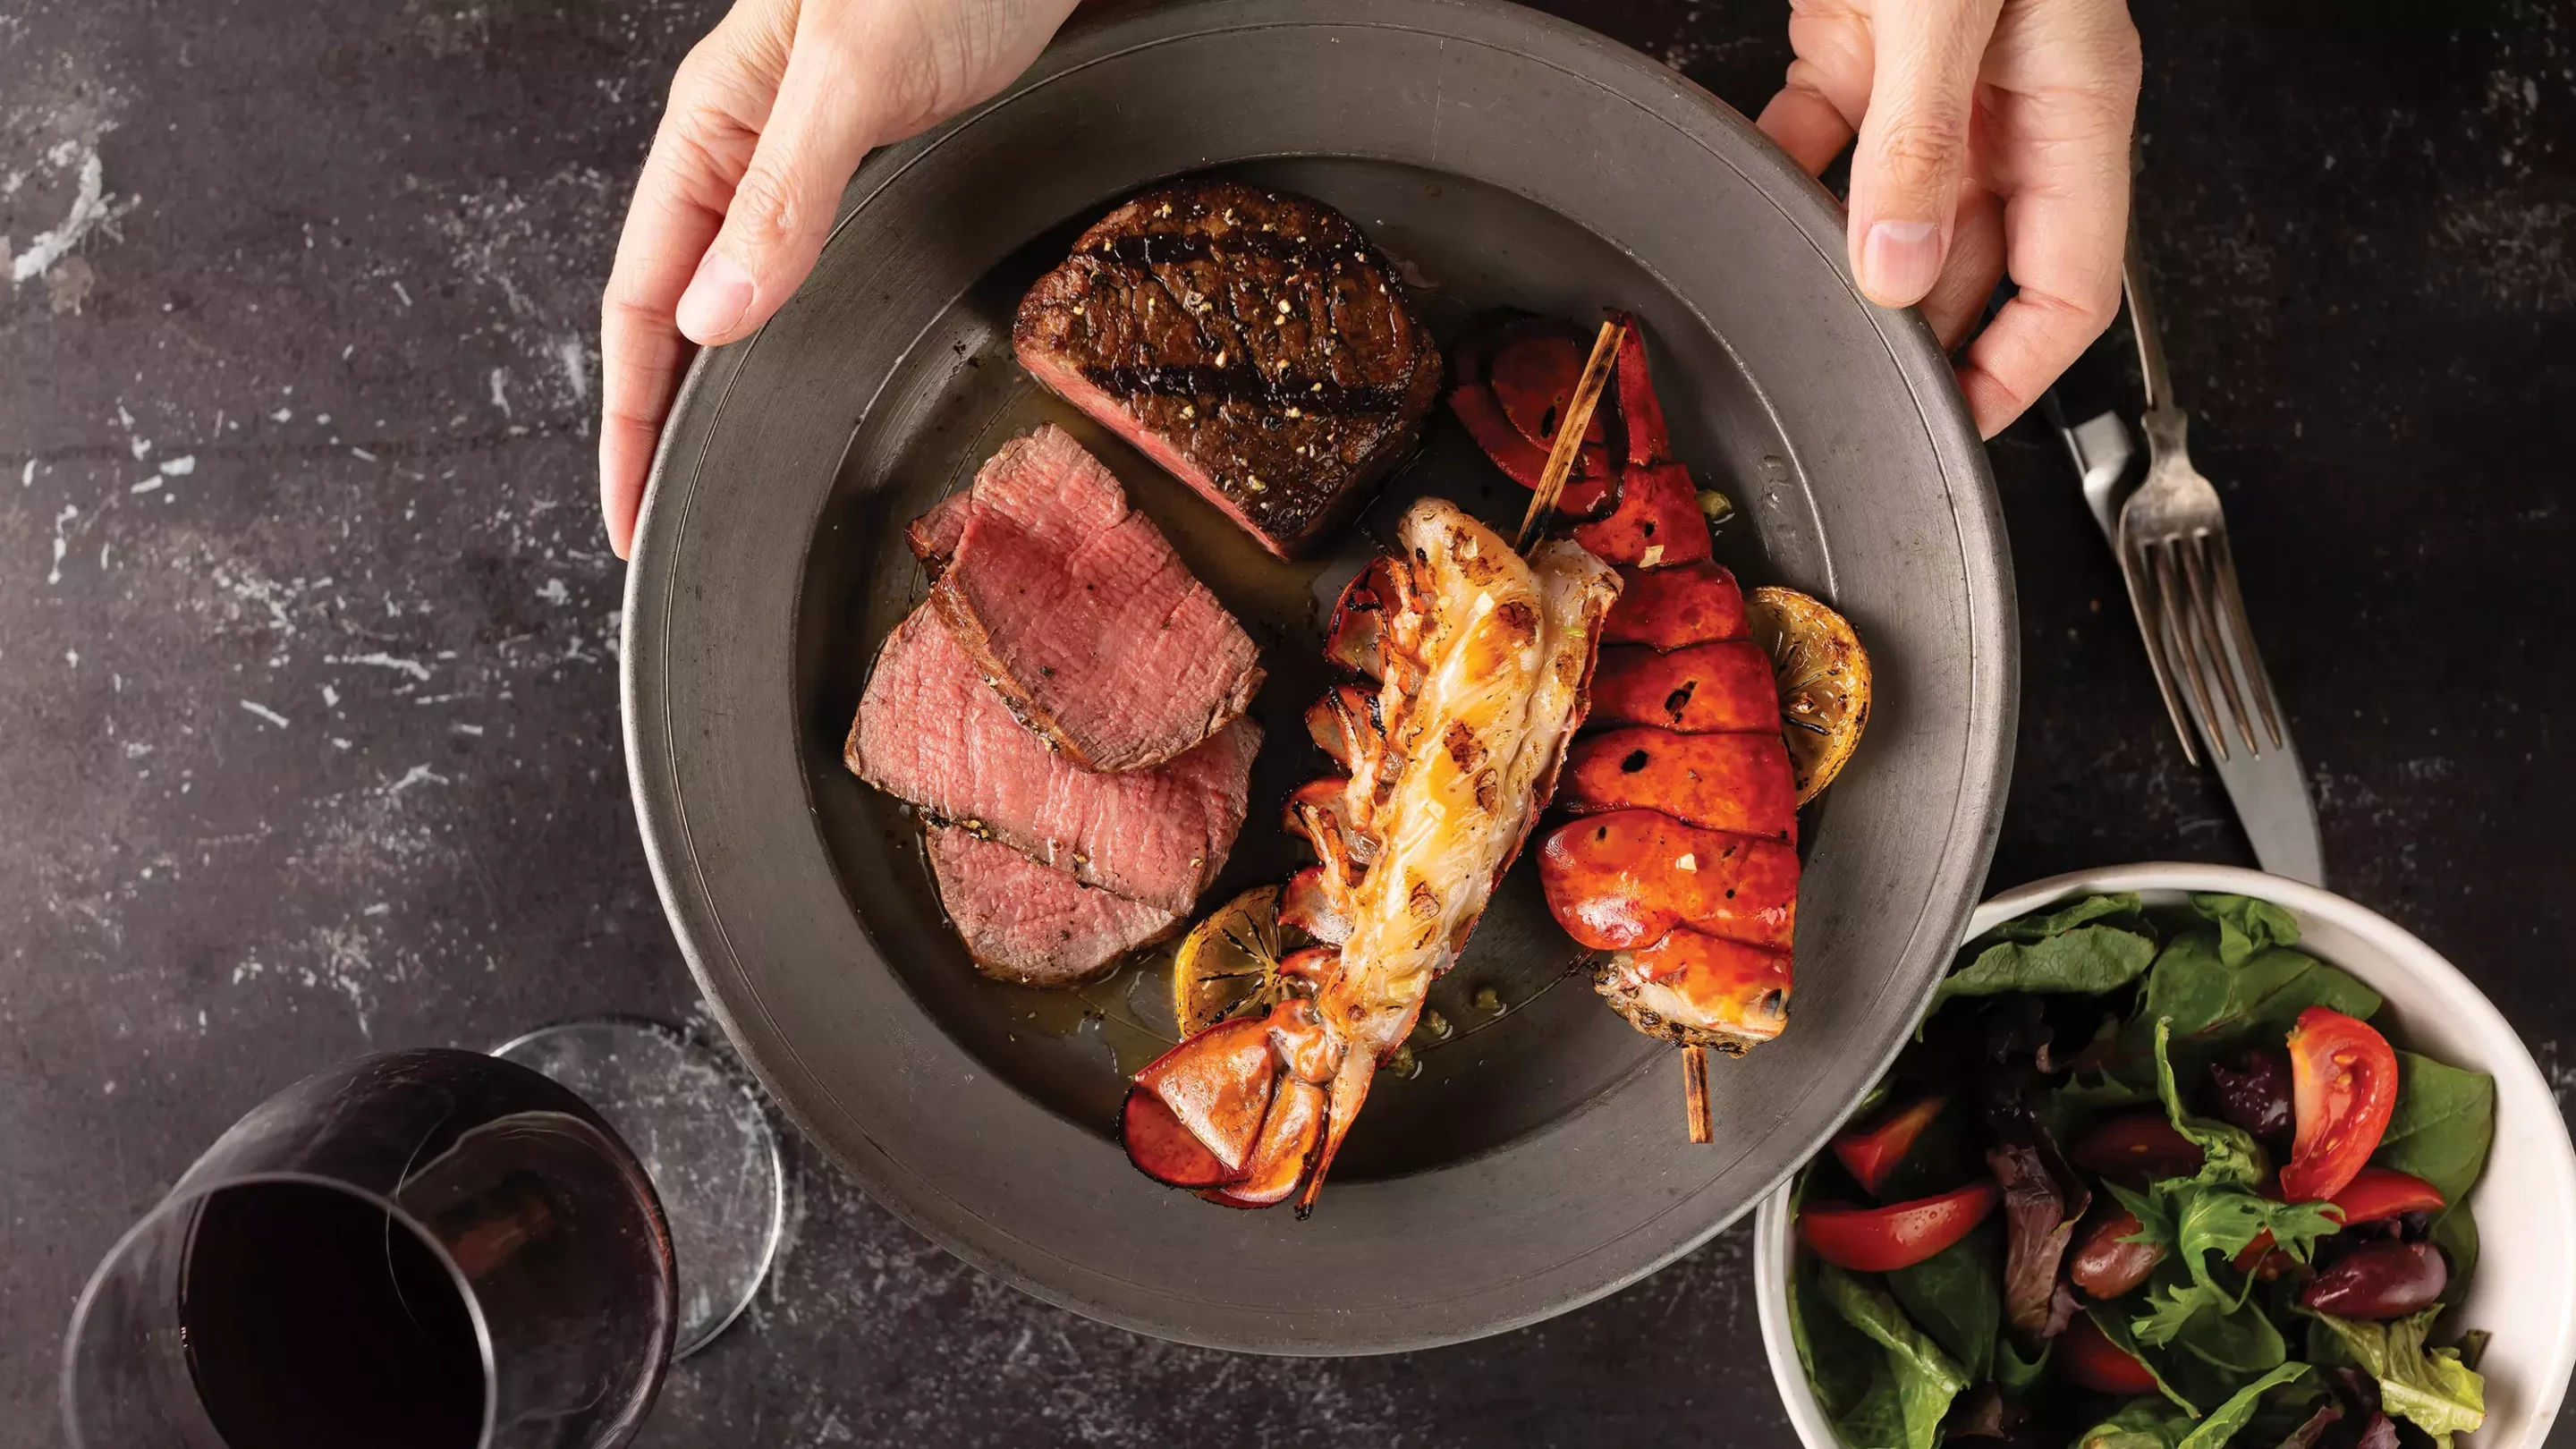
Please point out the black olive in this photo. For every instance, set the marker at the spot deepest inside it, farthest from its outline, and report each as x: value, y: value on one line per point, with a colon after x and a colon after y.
x: 2252, y: 1090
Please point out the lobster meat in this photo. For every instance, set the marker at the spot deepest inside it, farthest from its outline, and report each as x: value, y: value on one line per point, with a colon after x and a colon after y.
x: 1679, y: 856
x: 1476, y: 665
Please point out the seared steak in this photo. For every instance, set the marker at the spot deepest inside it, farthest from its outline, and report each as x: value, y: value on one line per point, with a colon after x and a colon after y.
x: 1079, y: 612
x: 1032, y: 923
x: 1253, y: 342
x: 930, y: 731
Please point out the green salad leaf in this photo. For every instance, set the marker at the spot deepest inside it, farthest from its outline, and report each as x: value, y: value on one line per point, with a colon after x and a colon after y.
x: 2430, y: 1387
x: 2246, y: 925
x: 2115, y: 1327
x: 2014, y: 1372
x: 2088, y: 960
x: 2138, y: 1424
x: 1840, y: 1365
x: 2212, y: 1000
x: 2216, y: 1212
x: 1913, y: 1374
x: 1956, y: 1295
x: 2456, y: 1234
x: 2227, y: 1418
x: 2442, y: 1127
x: 2120, y: 907
x: 2229, y: 1154
x: 2236, y: 1342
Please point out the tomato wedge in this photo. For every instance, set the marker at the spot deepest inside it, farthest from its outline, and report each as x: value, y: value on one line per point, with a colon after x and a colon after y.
x: 2374, y: 1193
x: 1871, y: 1153
x: 1899, y: 1235
x: 2343, y: 1086
x: 2089, y: 1357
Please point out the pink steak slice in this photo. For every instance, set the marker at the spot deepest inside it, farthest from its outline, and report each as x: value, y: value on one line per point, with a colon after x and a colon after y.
x: 931, y: 731
x: 1032, y: 923
x: 1075, y: 607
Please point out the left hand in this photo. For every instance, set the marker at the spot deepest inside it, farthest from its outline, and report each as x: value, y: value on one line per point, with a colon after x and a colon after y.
x: 1993, y: 137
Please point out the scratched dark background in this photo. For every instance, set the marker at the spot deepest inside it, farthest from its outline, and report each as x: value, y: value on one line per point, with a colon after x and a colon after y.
x: 308, y: 710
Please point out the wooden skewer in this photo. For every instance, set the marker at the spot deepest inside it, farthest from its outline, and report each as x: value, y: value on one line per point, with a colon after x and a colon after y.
x: 1569, y: 432
x: 1695, y: 1092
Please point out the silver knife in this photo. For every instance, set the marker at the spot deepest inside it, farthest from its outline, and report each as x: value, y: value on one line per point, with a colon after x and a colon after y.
x: 2270, y: 790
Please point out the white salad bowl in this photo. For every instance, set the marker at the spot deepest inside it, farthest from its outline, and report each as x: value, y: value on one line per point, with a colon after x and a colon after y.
x: 2523, y: 1290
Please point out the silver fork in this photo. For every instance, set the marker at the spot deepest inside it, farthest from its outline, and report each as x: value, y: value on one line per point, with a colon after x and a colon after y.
x: 2181, y: 575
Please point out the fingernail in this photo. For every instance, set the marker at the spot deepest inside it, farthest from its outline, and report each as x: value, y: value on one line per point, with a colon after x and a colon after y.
x: 1899, y: 261
x: 717, y: 297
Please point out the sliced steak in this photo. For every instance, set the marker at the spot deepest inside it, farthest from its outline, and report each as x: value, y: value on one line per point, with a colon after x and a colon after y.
x: 1032, y: 923
x: 930, y: 731
x: 1253, y: 342
x: 1078, y: 611
x: 933, y: 536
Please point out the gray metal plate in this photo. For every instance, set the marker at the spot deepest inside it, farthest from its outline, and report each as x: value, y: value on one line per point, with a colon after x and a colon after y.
x: 1538, y: 1161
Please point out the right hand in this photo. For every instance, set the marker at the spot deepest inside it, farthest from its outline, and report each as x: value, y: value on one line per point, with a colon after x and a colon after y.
x: 768, y: 118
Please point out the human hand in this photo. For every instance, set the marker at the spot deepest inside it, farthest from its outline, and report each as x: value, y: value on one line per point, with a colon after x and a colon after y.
x: 1993, y: 137
x: 768, y: 117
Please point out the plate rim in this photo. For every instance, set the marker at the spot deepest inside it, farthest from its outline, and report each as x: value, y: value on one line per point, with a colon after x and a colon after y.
x: 1992, y: 651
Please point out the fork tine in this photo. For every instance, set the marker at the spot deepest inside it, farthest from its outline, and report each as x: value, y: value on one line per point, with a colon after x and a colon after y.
x: 2134, y: 568
x: 2240, y: 631
x: 2204, y: 623
x: 2178, y: 621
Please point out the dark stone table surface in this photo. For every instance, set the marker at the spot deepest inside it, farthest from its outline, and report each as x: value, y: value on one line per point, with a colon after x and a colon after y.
x: 308, y: 637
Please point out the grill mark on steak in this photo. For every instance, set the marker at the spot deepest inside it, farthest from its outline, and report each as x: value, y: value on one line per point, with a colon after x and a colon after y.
x: 1243, y: 385
x: 1253, y: 343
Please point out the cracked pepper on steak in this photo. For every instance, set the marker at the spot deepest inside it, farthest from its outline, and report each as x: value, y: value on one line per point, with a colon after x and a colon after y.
x: 1252, y: 342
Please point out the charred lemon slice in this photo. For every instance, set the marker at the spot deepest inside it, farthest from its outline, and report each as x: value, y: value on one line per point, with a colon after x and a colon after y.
x: 1823, y: 675
x: 1228, y: 966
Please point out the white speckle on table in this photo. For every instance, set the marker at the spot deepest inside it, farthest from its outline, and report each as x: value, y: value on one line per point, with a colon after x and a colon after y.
x: 330, y: 697
x: 416, y: 775
x: 555, y: 593
x: 61, y: 545
x: 282, y: 415
x: 264, y: 712
x: 179, y: 467
x: 412, y: 667
x: 89, y: 209
x: 576, y: 366
x: 501, y: 390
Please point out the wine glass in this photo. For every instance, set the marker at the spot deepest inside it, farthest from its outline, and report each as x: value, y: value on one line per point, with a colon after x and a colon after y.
x: 429, y: 1248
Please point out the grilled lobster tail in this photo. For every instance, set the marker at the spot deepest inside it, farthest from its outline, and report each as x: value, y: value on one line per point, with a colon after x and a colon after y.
x: 1680, y: 854
x: 1480, y: 662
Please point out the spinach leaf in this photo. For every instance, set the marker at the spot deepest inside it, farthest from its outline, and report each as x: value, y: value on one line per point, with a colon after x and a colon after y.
x: 1842, y: 1367
x: 2246, y: 925
x: 2123, y: 908
x: 2214, y: 1002
x: 2444, y: 1121
x: 1924, y: 1378
x: 1956, y: 1296
x: 2013, y: 1371
x: 2087, y: 959
x: 2228, y: 1153
x: 2115, y: 1327
x: 2429, y: 1387
x: 2456, y: 1234
x: 2227, y: 1418
x: 2236, y: 1342
x: 2138, y: 1424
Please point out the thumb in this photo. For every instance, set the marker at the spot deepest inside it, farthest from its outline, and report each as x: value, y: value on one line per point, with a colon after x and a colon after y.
x: 1913, y: 150
x: 823, y: 122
